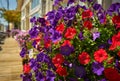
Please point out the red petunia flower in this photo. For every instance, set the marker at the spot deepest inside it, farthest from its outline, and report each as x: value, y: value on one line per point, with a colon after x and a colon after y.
x: 115, y: 41
x: 112, y: 74
x: 118, y: 53
x: 88, y: 24
x: 100, y: 55
x: 87, y: 14
x: 61, y: 71
x: 47, y: 23
x: 116, y: 21
x: 60, y: 28
x: 47, y: 43
x: 70, y: 33
x: 58, y: 59
x: 66, y: 42
x: 84, y: 58
x: 26, y: 68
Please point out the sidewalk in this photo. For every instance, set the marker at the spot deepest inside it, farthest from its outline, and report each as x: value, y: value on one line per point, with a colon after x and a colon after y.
x: 10, y: 61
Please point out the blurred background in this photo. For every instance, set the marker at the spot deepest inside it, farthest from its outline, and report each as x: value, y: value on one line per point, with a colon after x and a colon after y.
x: 15, y: 17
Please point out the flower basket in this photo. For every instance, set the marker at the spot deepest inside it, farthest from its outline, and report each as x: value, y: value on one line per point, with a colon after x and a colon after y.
x: 74, y: 43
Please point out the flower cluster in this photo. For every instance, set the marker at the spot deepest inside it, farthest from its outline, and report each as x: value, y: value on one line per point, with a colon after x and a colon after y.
x: 74, y: 43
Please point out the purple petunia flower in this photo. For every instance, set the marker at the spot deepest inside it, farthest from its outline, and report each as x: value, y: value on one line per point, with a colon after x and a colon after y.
x: 81, y: 36
x: 33, y: 19
x: 34, y: 44
x: 42, y: 21
x: 86, y: 79
x: 42, y: 29
x: 109, y: 41
x: 40, y: 57
x: 113, y: 8
x: 23, y: 52
x: 34, y: 65
x: 71, y: 1
x: 59, y: 14
x: 82, y: 0
x: 56, y: 36
x: 102, y: 45
x: 50, y: 76
x: 80, y: 71
x: 96, y: 35
x: 117, y: 64
x: 97, y: 6
x: 50, y: 15
x: 90, y: 0
x: 84, y: 7
x: 66, y: 50
x: 101, y: 17
x: 32, y: 62
x: 70, y: 13
x: 97, y: 68
x: 34, y: 32
x: 26, y: 77
x: 43, y: 58
x: 39, y: 76
x: 102, y: 79
x: 66, y: 63
x: 72, y: 79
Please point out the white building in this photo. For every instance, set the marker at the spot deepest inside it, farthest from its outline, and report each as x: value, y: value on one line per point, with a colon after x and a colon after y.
x: 32, y: 8
x: 39, y: 8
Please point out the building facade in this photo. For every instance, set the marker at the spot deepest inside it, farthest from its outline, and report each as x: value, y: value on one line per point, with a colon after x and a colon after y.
x: 2, y: 28
x: 38, y: 8
x: 31, y: 8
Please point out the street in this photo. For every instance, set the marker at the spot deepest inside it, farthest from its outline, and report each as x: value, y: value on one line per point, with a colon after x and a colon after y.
x: 10, y: 61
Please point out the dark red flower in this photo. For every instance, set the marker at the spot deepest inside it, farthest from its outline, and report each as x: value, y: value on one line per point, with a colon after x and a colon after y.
x: 116, y: 21
x: 87, y: 14
x: 87, y: 24
x: 47, y: 23
x: 26, y: 68
x: 118, y: 53
x: 61, y: 71
x: 58, y: 59
x: 84, y: 58
x: 70, y: 33
x: 47, y: 43
x: 60, y: 28
x: 115, y: 41
x: 66, y: 42
x: 37, y: 39
x: 112, y: 74
x: 100, y: 55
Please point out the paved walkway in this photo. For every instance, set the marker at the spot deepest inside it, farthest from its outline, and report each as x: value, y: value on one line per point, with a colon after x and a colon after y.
x: 10, y: 61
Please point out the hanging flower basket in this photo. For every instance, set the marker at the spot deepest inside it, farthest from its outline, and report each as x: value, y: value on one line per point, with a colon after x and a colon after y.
x: 74, y: 43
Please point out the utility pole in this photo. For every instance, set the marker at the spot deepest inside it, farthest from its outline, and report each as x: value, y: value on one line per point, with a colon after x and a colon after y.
x: 106, y: 4
x: 8, y: 9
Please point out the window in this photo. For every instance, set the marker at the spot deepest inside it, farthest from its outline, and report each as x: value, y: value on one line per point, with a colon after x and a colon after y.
x: 34, y: 3
x: 35, y: 14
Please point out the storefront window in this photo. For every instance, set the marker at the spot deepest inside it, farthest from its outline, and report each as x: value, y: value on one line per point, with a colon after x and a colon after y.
x: 34, y: 3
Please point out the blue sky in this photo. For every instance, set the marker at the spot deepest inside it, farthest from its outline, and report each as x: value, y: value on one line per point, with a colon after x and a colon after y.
x: 12, y: 6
